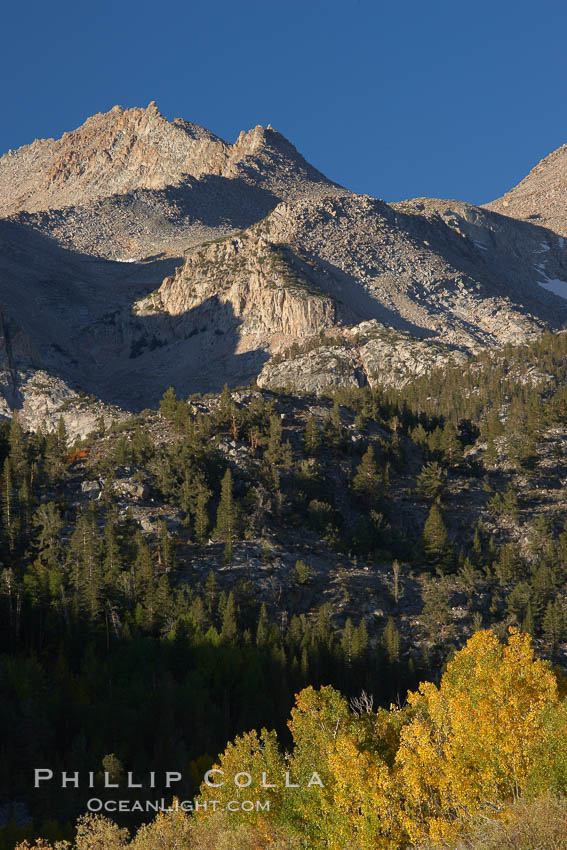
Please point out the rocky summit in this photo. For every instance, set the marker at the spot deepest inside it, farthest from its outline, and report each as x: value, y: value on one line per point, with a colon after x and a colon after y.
x: 138, y: 253
x: 541, y: 197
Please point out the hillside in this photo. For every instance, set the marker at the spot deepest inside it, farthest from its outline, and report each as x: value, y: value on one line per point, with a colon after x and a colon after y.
x: 255, y: 543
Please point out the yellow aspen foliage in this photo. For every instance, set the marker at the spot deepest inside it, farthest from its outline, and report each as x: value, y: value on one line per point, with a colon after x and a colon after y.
x: 317, y: 720
x: 358, y: 804
x: 363, y: 802
x: 168, y: 831
x: 42, y: 844
x: 250, y: 769
x: 479, y: 739
x: 95, y: 832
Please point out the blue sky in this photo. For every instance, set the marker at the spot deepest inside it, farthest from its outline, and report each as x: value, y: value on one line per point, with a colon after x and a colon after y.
x: 397, y: 99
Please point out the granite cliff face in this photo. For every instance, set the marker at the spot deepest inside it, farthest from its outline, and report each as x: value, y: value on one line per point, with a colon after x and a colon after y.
x: 242, y: 261
x: 269, y: 290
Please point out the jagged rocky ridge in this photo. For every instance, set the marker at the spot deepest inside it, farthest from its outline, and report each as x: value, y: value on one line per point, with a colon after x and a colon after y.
x: 239, y: 262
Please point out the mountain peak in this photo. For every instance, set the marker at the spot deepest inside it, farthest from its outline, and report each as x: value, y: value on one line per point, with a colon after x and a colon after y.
x: 541, y: 197
x: 125, y: 150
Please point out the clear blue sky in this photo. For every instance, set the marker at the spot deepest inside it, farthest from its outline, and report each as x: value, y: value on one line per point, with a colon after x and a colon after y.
x: 396, y: 99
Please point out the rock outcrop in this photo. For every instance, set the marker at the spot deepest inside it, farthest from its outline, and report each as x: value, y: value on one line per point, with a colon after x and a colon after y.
x: 269, y: 291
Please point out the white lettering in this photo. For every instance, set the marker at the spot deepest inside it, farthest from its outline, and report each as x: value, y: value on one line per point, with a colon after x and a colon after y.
x: 131, y: 783
x: 247, y: 780
x: 315, y: 780
x: 208, y: 775
x: 41, y: 775
x: 70, y: 779
x: 289, y: 784
x: 172, y: 776
x: 107, y: 782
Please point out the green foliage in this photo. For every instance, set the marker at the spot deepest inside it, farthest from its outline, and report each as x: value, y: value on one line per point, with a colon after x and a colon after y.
x: 367, y: 481
x: 431, y: 481
x: 226, y: 528
x: 303, y: 572
x: 437, y: 549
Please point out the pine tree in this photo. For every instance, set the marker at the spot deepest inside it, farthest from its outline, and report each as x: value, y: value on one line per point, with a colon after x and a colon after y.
x: 168, y: 404
x: 311, y: 437
x: 48, y: 525
x: 198, y: 614
x: 450, y: 445
x: 431, y: 481
x: 491, y: 452
x: 85, y: 564
x: 181, y: 415
x: 142, y: 447
x: 505, y: 503
x: 9, y: 507
x: 227, y: 516
x: 273, y: 455
x: 262, y: 629
x: 436, y: 614
x: 396, y: 588
x: 225, y: 411
x: 367, y: 480
x: 509, y: 567
x: 55, y: 452
x: 25, y: 508
x: 435, y: 542
x: 333, y: 427
x: 553, y: 626
x: 112, y: 559
x: 18, y: 450
x: 391, y: 641
x: 166, y: 550
x: 347, y: 640
x: 202, y: 497
x: 360, y: 641
x: 229, y: 629
x: 62, y: 437
x: 211, y: 595
x: 145, y: 578
x: 528, y: 623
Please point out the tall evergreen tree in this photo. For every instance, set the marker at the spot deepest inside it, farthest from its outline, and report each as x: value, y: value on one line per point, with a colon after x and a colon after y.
x: 10, y: 518
x: 391, y: 641
x: 367, y: 480
x: 227, y: 516
x: 311, y: 436
x: 229, y: 628
x: 435, y: 542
